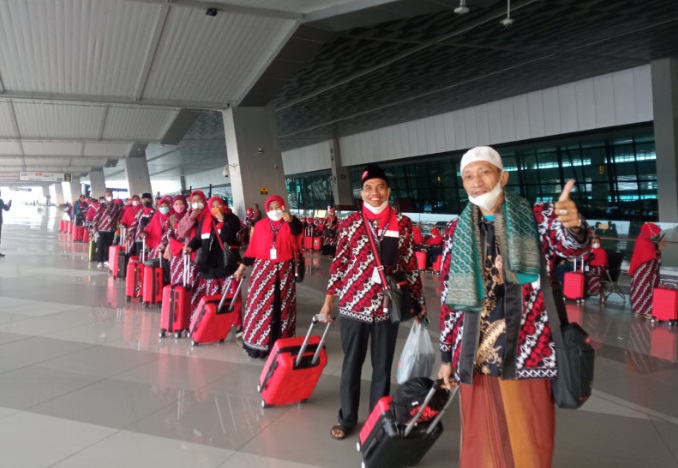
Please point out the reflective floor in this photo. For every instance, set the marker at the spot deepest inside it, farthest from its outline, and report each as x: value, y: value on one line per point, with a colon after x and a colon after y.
x: 85, y: 381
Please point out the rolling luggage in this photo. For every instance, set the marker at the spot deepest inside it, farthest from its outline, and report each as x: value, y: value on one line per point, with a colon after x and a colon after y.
x: 308, y: 239
x: 134, y: 281
x: 293, y: 368
x: 113, y: 252
x: 317, y: 243
x: 665, y: 305
x: 421, y: 259
x: 78, y: 233
x: 62, y: 226
x: 175, y: 315
x: 436, y: 264
x: 384, y: 441
x: 573, y: 284
x: 85, y: 235
x: 215, y: 315
x: 151, y: 290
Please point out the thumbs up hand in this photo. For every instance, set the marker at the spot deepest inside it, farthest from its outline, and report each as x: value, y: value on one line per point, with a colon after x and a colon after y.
x: 566, y: 210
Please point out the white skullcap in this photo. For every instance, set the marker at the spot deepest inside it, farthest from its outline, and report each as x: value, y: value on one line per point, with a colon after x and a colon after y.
x: 481, y: 153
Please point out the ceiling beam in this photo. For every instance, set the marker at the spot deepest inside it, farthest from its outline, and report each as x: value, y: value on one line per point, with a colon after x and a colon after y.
x: 15, y: 124
x: 152, y: 51
x: 104, y: 118
x: 161, y: 104
x: 226, y: 8
x: 344, y: 9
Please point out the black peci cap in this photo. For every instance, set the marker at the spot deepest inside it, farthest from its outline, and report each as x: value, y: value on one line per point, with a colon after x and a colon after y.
x: 373, y: 171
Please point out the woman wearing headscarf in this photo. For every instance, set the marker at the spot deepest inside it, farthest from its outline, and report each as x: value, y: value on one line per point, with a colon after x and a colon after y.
x: 434, y: 247
x: 175, y: 243
x: 127, y: 219
x: 598, y: 265
x: 644, y: 268
x: 212, y: 273
x: 156, y: 230
x: 141, y: 220
x: 330, y: 233
x: 271, y: 309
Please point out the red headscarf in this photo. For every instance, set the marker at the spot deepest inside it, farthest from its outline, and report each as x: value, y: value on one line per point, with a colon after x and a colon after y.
x: 645, y: 250
x: 286, y: 244
x: 154, y: 230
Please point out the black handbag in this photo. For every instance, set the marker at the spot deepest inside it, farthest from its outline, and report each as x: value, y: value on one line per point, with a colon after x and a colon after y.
x: 575, y: 356
x: 231, y: 256
x: 299, y: 267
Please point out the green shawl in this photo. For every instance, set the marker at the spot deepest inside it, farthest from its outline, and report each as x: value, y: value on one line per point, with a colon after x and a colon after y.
x: 516, y: 233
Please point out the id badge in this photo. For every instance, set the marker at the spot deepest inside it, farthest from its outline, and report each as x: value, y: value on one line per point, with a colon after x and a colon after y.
x: 376, y: 277
x: 274, y: 254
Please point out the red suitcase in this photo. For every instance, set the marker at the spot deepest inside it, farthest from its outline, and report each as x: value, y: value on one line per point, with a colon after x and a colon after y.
x: 573, y: 284
x: 85, y: 236
x: 113, y: 252
x: 421, y: 259
x: 78, y: 233
x: 293, y: 368
x: 308, y: 243
x: 665, y: 305
x: 175, y: 316
x: 62, y: 226
x: 436, y: 264
x: 151, y: 289
x: 317, y: 243
x: 135, y: 273
x: 385, y: 442
x: 215, y: 315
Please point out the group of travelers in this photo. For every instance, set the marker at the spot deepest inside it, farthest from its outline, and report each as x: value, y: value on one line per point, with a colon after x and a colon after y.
x: 323, y: 228
x: 496, y: 341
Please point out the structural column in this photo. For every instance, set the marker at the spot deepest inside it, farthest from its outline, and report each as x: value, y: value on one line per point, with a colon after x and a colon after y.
x: 45, y: 193
x: 59, y: 194
x: 75, y: 189
x: 665, y: 105
x: 97, y: 182
x: 254, y: 159
x: 136, y: 166
x: 341, y: 177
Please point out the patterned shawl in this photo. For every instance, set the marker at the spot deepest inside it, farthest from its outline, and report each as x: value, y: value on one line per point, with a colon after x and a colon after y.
x: 516, y: 233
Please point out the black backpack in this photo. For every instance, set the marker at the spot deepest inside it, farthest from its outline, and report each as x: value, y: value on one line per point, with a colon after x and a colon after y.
x: 409, y: 397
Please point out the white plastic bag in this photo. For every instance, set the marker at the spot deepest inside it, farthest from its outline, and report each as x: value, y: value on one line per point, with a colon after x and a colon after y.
x: 418, y: 357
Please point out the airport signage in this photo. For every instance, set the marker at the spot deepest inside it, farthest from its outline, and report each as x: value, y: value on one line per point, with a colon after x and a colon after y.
x: 43, y: 176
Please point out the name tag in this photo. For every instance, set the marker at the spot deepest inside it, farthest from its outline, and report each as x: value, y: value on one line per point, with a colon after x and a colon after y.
x: 274, y: 254
x: 376, y: 277
x: 205, y: 235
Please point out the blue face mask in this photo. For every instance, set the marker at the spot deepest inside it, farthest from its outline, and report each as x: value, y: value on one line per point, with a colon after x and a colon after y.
x: 163, y: 209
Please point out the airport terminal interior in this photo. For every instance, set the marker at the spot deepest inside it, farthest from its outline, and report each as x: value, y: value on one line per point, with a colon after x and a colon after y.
x: 244, y: 99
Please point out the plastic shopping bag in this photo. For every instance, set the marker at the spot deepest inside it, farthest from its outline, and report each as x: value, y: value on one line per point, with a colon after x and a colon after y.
x: 418, y: 357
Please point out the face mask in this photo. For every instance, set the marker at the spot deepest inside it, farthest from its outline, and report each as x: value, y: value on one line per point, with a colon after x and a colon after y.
x: 378, y: 209
x: 148, y: 204
x: 164, y: 209
x: 103, y: 202
x: 109, y: 198
x: 275, y: 215
x: 197, y: 206
x: 596, y: 245
x: 179, y: 208
x: 486, y: 201
x: 136, y: 203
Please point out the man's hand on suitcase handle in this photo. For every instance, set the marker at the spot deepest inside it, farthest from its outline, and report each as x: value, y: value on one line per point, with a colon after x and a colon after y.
x: 444, y: 374
x: 328, y: 309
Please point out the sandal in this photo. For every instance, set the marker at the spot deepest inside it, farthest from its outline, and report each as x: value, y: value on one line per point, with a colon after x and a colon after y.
x: 339, y: 432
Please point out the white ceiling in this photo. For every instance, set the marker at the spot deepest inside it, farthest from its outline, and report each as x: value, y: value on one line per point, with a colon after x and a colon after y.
x: 82, y: 80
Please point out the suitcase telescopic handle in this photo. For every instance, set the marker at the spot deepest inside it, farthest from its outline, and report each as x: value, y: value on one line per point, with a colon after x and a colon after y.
x: 424, y: 405
x: 186, y: 258
x: 227, y: 288
x: 302, y: 350
x: 143, y: 249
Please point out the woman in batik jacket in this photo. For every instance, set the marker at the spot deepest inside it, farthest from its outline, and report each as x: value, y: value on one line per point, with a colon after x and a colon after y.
x: 495, y: 334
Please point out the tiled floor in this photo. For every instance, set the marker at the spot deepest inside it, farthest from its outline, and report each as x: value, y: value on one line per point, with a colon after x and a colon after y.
x: 85, y: 381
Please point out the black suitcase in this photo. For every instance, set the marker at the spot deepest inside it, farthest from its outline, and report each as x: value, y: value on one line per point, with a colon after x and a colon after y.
x: 384, y: 442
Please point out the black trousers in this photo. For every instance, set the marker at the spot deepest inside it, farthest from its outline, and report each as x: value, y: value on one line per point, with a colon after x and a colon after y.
x: 104, y: 243
x: 356, y: 336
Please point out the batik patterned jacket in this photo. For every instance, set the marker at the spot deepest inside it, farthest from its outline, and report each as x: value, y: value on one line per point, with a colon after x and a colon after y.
x: 361, y: 298
x: 530, y: 352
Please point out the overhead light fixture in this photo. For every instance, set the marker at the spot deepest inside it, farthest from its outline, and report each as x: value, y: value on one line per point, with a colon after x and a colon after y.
x: 508, y: 21
x: 211, y: 12
x: 462, y: 9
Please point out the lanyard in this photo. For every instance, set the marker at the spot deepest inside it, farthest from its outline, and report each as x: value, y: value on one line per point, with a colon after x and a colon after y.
x: 275, y: 231
x: 377, y: 259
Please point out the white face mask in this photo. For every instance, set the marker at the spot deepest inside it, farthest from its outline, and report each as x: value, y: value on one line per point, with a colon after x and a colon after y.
x: 136, y: 203
x: 163, y: 210
x: 486, y: 201
x: 109, y: 198
x: 596, y: 245
x: 197, y: 206
x: 378, y: 209
x: 275, y: 215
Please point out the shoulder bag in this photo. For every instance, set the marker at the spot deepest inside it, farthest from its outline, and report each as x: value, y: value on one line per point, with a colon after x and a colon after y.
x: 574, y: 354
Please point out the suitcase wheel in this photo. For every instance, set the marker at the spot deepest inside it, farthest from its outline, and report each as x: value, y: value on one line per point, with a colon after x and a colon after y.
x: 177, y: 334
x: 161, y: 334
x: 222, y: 340
x: 128, y: 299
x: 194, y: 343
x: 263, y: 404
x: 258, y: 388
